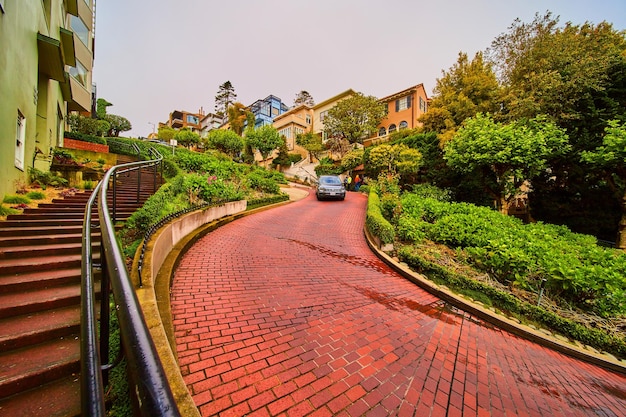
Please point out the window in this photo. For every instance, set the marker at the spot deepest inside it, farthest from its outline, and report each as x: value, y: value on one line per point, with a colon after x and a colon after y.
x: 275, y: 111
x: 308, y: 119
x: 299, y: 131
x: 382, y: 131
x: 79, y: 72
x: 80, y: 29
x: 323, y: 115
x: 392, y: 128
x: 20, y: 138
x: 403, y: 103
x: 403, y: 125
x: 60, y: 127
x: 192, y: 119
x: 423, y: 105
x: 286, y: 132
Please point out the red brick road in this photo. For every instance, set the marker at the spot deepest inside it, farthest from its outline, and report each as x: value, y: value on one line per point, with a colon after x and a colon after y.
x: 288, y: 313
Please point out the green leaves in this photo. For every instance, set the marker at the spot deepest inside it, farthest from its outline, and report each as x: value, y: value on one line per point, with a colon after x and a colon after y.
x: 265, y: 139
x: 513, y: 153
x: 577, y: 270
x: 354, y: 118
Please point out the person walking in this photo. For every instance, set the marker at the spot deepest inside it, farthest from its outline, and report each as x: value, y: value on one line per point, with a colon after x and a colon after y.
x: 357, y: 182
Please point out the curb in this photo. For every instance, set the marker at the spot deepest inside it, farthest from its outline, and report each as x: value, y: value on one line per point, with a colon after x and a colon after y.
x: 606, y: 360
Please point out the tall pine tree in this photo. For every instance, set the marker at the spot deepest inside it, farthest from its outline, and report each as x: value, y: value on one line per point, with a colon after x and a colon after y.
x: 225, y: 97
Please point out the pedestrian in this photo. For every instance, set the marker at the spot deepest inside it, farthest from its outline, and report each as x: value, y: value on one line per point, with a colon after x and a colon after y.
x: 348, y: 182
x: 357, y: 182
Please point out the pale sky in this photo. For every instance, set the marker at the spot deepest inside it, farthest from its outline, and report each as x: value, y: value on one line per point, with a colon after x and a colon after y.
x: 156, y: 56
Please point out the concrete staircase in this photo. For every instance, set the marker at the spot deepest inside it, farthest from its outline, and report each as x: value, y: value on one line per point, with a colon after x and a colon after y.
x: 40, y: 271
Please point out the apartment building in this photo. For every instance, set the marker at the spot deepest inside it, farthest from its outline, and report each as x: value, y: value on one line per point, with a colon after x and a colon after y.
x: 180, y: 119
x: 46, y: 63
x: 209, y: 122
x: 267, y: 109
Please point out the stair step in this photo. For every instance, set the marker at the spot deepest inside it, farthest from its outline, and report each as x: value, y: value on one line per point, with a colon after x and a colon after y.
x: 42, y: 263
x: 32, y: 251
x: 55, y: 217
x: 36, y: 280
x: 26, y: 330
x: 36, y: 231
x: 42, y: 223
x: 23, y: 369
x: 45, y: 239
x: 18, y: 303
x: 60, y: 398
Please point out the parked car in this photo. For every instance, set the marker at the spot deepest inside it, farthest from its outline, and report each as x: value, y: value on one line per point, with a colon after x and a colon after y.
x: 330, y: 187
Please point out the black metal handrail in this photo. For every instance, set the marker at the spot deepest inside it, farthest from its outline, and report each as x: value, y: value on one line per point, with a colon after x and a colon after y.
x: 149, y: 387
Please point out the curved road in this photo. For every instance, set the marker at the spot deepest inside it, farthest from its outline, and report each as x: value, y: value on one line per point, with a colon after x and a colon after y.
x: 287, y: 312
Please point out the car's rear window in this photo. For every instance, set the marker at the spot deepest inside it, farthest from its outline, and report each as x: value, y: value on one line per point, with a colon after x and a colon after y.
x: 330, y: 180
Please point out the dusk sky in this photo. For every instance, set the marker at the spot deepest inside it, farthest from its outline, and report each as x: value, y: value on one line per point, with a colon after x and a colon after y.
x: 156, y: 56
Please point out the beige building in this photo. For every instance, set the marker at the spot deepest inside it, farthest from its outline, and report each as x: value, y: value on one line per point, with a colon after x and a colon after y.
x: 294, y: 122
x: 46, y: 62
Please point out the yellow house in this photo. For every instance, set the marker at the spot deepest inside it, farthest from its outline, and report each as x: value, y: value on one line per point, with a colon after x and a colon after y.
x: 46, y: 61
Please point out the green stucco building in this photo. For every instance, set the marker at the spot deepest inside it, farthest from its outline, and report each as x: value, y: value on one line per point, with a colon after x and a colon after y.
x: 46, y: 61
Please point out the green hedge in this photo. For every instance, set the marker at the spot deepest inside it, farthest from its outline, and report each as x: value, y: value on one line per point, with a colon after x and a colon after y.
x: 375, y: 222
x: 85, y: 138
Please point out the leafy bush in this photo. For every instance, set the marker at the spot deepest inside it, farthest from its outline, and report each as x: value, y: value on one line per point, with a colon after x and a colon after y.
x: 43, y: 179
x: 257, y: 181
x: 36, y: 195
x: 576, y: 270
x: 16, y: 199
x: 5, y: 211
x: 209, y: 189
x: 420, y: 262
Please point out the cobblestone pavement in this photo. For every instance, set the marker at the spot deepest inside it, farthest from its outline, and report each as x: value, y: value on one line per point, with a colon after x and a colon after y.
x: 287, y: 312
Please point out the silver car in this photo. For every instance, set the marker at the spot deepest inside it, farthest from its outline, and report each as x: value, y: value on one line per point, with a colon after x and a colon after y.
x: 330, y: 187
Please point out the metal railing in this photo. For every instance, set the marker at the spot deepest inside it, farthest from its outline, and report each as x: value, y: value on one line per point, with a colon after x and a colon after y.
x: 149, y: 388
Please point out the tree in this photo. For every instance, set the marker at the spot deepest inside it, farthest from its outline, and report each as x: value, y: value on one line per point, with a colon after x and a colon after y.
x: 312, y: 143
x: 101, y: 108
x: 576, y: 74
x: 226, y: 141
x: 354, y: 118
x: 87, y: 125
x: 611, y: 158
x: 265, y: 139
x: 466, y: 89
x: 352, y: 159
x: 238, y: 115
x: 303, y: 97
x: 511, y: 154
x: 166, y: 133
x: 187, y: 138
x: 225, y: 97
x: 117, y: 124
x: 339, y: 146
x: 394, y: 159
